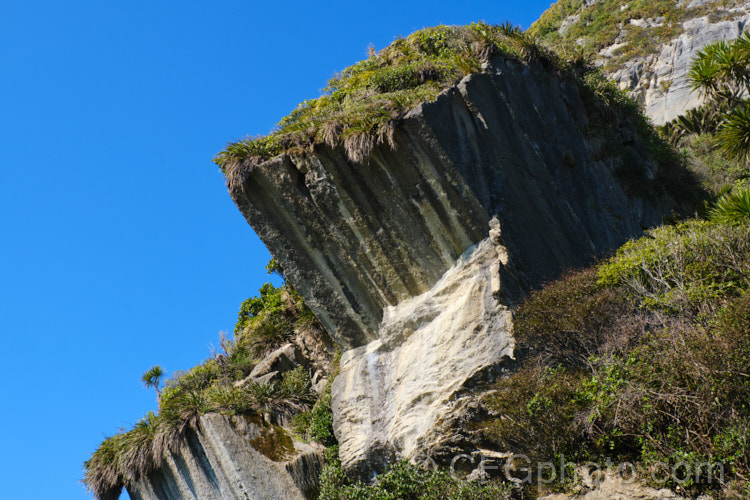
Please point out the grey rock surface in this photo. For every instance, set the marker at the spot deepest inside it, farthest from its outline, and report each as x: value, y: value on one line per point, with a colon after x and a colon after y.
x: 659, y: 81
x: 232, y: 458
x: 412, y: 259
x: 614, y: 487
x: 354, y: 239
x: 283, y: 359
x: 391, y: 392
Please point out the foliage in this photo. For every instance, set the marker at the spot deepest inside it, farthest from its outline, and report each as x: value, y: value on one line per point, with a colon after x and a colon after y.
x: 733, y: 207
x: 359, y: 106
x: 152, y: 377
x: 714, y: 170
x: 317, y: 423
x: 683, y: 268
x: 405, y: 481
x: 535, y: 406
x: 734, y: 132
x: 661, y: 375
x: 670, y: 177
x: 567, y: 320
x: 704, y: 119
x: 268, y: 320
x: 603, y: 23
x: 721, y: 73
x: 211, y: 387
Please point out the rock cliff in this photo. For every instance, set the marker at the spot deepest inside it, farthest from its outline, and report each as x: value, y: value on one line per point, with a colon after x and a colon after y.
x: 659, y: 81
x: 412, y: 258
x: 647, y: 50
x: 234, y: 458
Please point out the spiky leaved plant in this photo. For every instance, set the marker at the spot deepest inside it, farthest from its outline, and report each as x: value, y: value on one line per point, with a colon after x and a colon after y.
x: 152, y: 378
x: 732, y: 207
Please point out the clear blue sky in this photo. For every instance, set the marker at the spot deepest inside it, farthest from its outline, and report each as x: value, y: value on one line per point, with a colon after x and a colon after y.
x: 120, y: 246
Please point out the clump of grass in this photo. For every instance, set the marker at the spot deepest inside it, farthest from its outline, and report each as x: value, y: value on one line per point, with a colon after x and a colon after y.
x: 361, y: 105
x: 121, y: 460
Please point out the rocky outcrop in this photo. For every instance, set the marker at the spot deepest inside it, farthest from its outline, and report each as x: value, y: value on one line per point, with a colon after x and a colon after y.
x: 659, y: 81
x: 391, y: 392
x: 411, y: 259
x: 234, y: 458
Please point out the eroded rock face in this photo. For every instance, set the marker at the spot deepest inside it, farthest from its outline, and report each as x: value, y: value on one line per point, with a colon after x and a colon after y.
x: 659, y: 81
x: 234, y: 458
x: 412, y: 259
x: 391, y: 392
x: 354, y: 239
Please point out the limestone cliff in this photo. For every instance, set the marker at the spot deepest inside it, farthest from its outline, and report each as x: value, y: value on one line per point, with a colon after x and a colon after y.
x: 648, y: 49
x: 412, y: 257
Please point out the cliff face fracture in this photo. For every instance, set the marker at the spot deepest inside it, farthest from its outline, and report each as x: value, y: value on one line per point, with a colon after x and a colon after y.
x: 412, y: 258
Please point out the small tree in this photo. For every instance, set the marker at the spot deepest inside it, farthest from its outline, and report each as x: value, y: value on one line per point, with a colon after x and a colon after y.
x: 721, y: 73
x: 152, y: 378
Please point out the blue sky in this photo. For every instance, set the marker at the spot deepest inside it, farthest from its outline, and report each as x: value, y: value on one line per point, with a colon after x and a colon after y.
x: 120, y: 246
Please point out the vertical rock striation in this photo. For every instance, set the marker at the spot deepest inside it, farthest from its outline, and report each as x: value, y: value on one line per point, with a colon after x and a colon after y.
x: 411, y: 259
x: 234, y: 458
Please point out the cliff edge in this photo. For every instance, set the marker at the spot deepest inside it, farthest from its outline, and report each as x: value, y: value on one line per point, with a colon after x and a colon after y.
x: 412, y: 257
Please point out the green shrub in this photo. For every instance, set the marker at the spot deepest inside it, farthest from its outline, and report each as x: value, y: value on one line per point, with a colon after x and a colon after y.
x: 405, y: 481
x: 733, y: 207
x: 567, y: 320
x: 676, y: 390
x: 683, y: 268
x: 295, y: 383
x: 534, y: 409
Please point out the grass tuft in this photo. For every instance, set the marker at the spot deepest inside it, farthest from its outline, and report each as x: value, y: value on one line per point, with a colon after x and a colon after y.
x: 360, y: 106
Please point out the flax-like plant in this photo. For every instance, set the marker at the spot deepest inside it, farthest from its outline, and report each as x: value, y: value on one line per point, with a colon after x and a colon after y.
x: 152, y: 377
x: 732, y: 207
x: 734, y: 132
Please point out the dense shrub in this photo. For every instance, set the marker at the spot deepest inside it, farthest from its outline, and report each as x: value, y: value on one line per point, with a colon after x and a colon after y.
x: 569, y: 319
x: 405, y: 481
x: 658, y: 376
x: 686, y: 268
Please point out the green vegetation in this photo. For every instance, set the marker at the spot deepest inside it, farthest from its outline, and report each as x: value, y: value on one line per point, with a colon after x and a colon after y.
x: 360, y: 106
x: 405, y: 481
x: 642, y: 358
x: 715, y: 137
x: 152, y: 377
x: 264, y: 323
x: 721, y: 73
x: 733, y: 207
x: 608, y: 22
